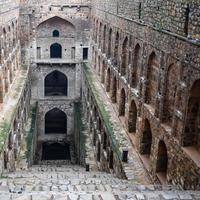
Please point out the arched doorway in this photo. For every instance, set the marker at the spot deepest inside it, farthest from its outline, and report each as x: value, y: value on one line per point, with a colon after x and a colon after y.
x: 122, y: 103
x: 111, y: 159
x: 110, y: 43
x: 162, y: 160
x: 135, y: 67
x: 146, y: 140
x: 103, y: 72
x: 132, y: 117
x: 100, y: 35
x: 56, y: 51
x: 5, y: 159
x: 116, y: 50
x: 104, y: 140
x: 56, y: 151
x: 108, y: 80
x: 124, y: 57
x: 56, y: 84
x: 55, y: 122
x: 104, y: 39
x: 192, y: 130
x: 6, y: 80
x: 172, y: 80
x: 114, y: 90
x: 152, y: 77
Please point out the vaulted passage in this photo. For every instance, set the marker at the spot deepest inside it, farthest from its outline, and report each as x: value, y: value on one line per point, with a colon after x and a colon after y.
x: 108, y: 80
x: 146, y: 140
x: 114, y: 90
x: 56, y: 84
x: 124, y: 57
x: 56, y: 151
x: 192, y: 128
x: 55, y: 122
x: 152, y: 76
x: 132, y: 118
x: 162, y: 159
x: 56, y: 51
x: 122, y: 102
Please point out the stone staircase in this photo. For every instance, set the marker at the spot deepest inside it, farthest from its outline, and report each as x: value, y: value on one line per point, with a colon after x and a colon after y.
x: 71, y: 182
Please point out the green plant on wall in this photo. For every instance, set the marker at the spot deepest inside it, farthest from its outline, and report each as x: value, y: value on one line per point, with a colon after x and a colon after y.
x: 104, y: 113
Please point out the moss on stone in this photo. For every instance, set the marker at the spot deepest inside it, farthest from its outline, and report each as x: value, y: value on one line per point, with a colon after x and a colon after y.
x: 5, y: 124
x: 104, y: 113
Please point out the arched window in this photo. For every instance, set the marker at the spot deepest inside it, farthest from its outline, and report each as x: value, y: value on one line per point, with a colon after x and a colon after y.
x: 55, y: 122
x: 56, y: 51
x: 56, y: 84
x: 56, y: 33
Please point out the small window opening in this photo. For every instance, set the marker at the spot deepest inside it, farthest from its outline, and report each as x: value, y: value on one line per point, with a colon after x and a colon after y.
x: 56, y: 33
x: 85, y: 53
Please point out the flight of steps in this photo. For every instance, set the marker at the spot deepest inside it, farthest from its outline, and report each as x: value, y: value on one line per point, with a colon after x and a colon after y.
x: 70, y: 182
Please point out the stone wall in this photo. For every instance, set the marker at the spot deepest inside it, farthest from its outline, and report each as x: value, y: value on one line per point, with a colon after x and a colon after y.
x: 14, y: 90
x: 148, y: 58
x: 65, y: 26
x: 180, y: 17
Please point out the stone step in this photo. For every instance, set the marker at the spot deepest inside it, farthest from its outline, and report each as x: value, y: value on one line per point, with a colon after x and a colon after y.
x: 69, y: 182
x: 102, y: 196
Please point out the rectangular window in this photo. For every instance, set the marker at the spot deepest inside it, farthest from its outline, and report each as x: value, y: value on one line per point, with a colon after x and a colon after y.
x: 140, y: 11
x: 85, y: 53
x: 38, y: 53
x: 73, y: 50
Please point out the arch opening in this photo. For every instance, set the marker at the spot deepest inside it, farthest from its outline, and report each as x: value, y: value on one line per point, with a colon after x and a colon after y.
x: 134, y: 71
x: 124, y: 57
x: 122, y: 103
x: 132, y: 117
x: 99, y: 152
x: 191, y: 133
x: 56, y: 33
x: 116, y: 50
x: 55, y: 122
x: 114, y: 90
x: 162, y: 160
x: 172, y: 81
x: 109, y: 43
x: 146, y: 140
x: 56, y: 84
x: 55, y: 51
x: 152, y: 77
x: 108, y: 80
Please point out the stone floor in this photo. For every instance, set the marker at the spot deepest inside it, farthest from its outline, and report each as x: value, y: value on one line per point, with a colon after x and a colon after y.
x: 70, y: 182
